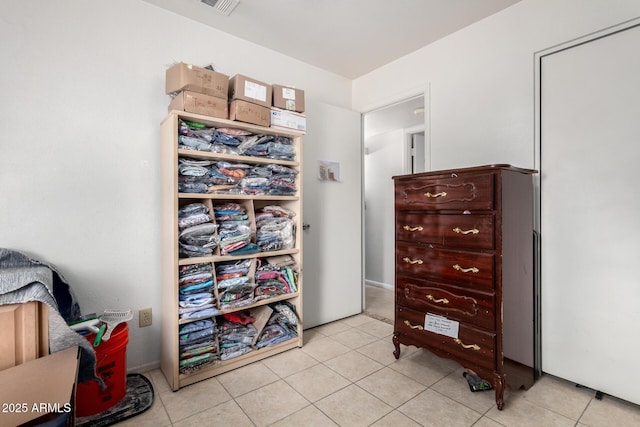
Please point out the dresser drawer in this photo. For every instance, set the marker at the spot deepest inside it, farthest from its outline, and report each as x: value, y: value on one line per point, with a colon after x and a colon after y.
x: 468, y: 192
x: 472, y: 345
x: 454, y: 303
x: 465, y: 231
x: 468, y: 269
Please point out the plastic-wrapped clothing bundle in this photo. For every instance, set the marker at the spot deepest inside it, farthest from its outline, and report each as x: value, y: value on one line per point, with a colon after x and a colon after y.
x: 191, y: 313
x: 235, y: 232
x: 195, y: 277
x: 225, y: 138
x: 235, y: 339
x: 198, y: 240
x: 236, y: 296
x: 196, y: 136
x: 272, y: 280
x: 193, y: 214
x: 199, y: 299
x: 275, y: 230
x: 281, y: 326
x: 231, y: 269
x: 197, y: 344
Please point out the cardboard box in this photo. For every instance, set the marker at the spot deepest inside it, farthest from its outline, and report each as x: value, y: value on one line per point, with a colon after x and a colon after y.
x: 248, y: 112
x: 288, y: 98
x: 40, y: 391
x: 183, y: 76
x: 200, y: 103
x: 261, y: 315
x: 288, y: 120
x: 250, y: 90
x: 24, y: 333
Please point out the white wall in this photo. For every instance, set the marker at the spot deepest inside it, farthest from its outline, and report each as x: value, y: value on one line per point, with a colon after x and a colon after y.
x: 482, y: 82
x: 482, y: 78
x: 383, y: 159
x: 83, y: 96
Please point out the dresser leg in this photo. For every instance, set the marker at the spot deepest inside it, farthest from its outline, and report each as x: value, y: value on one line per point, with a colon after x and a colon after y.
x: 499, y: 385
x: 396, y: 343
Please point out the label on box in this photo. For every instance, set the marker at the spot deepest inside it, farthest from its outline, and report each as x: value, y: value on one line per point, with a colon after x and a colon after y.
x: 441, y: 325
x: 288, y: 93
x: 255, y: 91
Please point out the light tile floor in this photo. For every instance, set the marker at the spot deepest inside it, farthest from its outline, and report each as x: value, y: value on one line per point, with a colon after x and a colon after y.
x: 346, y: 375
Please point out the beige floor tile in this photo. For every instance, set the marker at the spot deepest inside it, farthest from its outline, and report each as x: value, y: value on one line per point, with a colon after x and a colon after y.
x: 379, y: 302
x: 225, y: 414
x: 193, y: 399
x: 324, y: 349
x: 354, y: 338
x: 156, y: 416
x: 353, y: 407
x: 519, y: 412
x: 332, y: 328
x: 247, y: 378
x: 309, y: 416
x: 377, y: 328
x: 317, y: 382
x: 611, y: 411
x: 289, y: 362
x: 395, y: 419
x: 356, y: 320
x: 381, y: 351
x: 271, y: 403
x: 158, y: 380
x: 433, y: 409
x: 353, y: 365
x: 455, y: 386
x: 424, y: 367
x: 311, y: 334
x: 486, y: 422
x: 560, y: 396
x: 391, y: 387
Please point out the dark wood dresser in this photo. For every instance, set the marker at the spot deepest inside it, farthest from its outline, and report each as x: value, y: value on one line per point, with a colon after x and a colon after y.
x: 465, y: 270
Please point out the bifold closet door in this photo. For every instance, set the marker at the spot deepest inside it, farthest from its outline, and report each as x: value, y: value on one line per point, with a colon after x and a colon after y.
x: 590, y: 210
x: 333, y: 209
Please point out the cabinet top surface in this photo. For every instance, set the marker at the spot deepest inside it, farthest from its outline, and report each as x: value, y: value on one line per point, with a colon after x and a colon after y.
x: 484, y: 168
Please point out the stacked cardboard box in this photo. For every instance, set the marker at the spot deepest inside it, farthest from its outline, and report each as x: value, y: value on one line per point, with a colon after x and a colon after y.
x: 250, y: 100
x: 287, y: 108
x: 198, y: 90
x: 204, y: 91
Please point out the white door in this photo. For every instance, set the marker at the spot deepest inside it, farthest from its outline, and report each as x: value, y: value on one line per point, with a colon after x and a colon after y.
x: 590, y: 148
x: 332, y: 248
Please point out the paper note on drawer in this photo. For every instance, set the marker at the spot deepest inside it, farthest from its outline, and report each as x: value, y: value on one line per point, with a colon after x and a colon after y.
x: 441, y: 325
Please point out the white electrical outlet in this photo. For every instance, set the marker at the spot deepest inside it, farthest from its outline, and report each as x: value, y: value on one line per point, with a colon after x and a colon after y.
x: 145, y: 317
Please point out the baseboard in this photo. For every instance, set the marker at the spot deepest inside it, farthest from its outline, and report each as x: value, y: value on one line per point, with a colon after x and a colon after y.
x: 144, y: 368
x: 378, y: 284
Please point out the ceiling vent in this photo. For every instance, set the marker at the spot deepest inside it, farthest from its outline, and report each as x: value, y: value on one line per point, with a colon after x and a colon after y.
x: 224, y: 7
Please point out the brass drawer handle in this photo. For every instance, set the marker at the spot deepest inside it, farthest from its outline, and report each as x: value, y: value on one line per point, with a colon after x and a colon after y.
x: 465, y: 270
x: 475, y: 347
x: 418, y: 327
x: 441, y: 194
x: 409, y: 228
x: 461, y: 231
x: 437, y: 301
x: 412, y: 261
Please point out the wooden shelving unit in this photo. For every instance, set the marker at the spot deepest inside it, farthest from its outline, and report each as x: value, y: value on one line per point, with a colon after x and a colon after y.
x: 172, y: 199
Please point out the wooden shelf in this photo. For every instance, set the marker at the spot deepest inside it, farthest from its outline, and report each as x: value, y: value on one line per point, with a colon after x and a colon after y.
x: 172, y: 200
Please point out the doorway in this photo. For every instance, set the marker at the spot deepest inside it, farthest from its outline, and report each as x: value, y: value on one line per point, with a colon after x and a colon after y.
x: 394, y: 144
